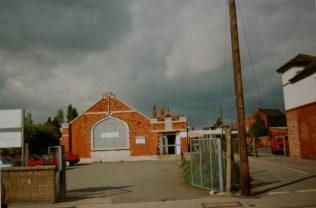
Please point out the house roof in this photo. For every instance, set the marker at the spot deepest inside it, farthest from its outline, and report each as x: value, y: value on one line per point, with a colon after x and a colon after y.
x: 272, y: 112
x: 307, y: 71
x: 299, y: 60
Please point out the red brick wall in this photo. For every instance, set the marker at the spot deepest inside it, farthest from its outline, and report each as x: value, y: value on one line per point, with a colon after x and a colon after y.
x: 102, y: 106
x: 302, y: 131
x: 80, y: 132
x: 81, y: 128
x: 179, y: 125
x: 184, y: 144
x: 64, y: 141
x: 139, y: 126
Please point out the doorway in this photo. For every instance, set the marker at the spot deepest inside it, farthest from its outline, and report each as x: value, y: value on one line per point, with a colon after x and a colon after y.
x: 168, y: 144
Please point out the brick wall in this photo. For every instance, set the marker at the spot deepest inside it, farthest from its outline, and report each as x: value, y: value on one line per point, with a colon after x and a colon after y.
x: 263, y: 141
x: 29, y: 184
x: 80, y: 129
x: 302, y: 131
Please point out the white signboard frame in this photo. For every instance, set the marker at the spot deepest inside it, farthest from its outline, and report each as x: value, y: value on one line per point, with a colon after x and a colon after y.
x: 11, y: 128
x: 140, y: 140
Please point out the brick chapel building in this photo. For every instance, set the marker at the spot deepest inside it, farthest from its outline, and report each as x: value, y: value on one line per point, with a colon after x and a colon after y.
x: 111, y: 130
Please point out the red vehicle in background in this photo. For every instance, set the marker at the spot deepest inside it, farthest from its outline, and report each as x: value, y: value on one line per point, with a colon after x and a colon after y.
x: 279, y: 139
x: 71, y: 158
x: 35, y: 160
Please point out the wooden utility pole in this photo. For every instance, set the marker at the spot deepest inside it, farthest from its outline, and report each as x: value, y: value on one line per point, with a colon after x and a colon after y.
x: 245, y: 189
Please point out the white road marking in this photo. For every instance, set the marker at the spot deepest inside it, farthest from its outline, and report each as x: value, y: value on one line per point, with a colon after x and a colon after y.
x: 299, y: 171
x: 278, y: 192
x: 306, y: 190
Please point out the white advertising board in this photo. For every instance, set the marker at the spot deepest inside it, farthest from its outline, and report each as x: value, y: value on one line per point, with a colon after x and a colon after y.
x: 10, y: 139
x: 11, y: 128
x: 11, y: 118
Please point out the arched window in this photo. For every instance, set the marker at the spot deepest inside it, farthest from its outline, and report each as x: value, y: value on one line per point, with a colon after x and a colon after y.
x: 110, y: 133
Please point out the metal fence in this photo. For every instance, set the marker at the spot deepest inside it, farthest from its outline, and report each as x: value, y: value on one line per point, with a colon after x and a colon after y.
x: 207, y: 164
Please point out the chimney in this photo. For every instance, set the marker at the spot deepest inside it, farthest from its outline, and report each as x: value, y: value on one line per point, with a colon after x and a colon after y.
x: 162, y: 111
x: 108, y: 95
x: 154, y: 112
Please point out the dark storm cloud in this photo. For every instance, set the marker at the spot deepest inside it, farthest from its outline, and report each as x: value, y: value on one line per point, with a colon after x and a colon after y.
x: 166, y: 52
x: 63, y: 25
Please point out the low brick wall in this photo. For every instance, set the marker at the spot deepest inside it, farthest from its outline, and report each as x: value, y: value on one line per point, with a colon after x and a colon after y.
x: 261, y: 141
x: 29, y: 184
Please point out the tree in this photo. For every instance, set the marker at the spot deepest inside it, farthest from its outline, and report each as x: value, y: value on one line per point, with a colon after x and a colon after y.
x: 258, y: 127
x: 59, y: 118
x: 40, y: 142
x: 52, y: 128
x: 29, y: 127
x: 40, y: 136
x: 71, y: 113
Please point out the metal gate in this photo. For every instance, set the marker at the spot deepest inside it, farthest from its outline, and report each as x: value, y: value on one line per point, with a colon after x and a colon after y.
x: 207, y: 164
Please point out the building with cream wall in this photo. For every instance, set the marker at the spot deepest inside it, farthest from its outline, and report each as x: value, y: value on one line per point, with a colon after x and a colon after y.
x: 299, y: 86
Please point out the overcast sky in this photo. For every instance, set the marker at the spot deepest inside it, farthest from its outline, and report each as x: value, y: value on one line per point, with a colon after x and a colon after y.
x: 174, y: 53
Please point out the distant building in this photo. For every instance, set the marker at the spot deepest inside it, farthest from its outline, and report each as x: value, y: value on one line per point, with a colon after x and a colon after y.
x: 111, y: 130
x: 299, y: 85
x: 271, y: 117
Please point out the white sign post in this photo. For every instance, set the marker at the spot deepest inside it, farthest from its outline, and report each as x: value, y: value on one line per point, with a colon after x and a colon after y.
x: 12, y: 129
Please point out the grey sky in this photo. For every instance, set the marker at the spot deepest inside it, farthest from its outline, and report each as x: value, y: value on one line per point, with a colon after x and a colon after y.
x: 163, y: 52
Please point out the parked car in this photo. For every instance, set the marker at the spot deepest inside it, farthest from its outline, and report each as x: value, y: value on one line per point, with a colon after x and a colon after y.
x: 278, y: 140
x: 8, y: 161
x: 35, y: 160
x: 71, y: 158
x: 5, y: 162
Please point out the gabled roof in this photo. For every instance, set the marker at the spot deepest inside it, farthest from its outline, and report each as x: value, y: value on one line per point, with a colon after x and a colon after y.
x: 307, y: 71
x: 299, y: 60
x: 272, y: 112
x: 169, y: 115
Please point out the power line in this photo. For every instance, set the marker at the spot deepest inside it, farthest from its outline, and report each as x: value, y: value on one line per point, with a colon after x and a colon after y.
x: 37, y: 12
x: 45, y: 18
x: 250, y: 57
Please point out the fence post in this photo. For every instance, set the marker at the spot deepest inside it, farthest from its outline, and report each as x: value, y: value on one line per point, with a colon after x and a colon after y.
x: 220, y: 164
x: 228, y: 160
x: 255, y: 146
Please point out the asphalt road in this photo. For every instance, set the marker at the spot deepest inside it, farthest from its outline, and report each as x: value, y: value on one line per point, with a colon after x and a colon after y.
x: 125, y: 182
x: 277, y: 182
x: 283, y: 181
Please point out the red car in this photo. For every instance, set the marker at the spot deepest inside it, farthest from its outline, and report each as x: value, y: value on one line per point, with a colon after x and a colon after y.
x: 71, y: 158
x: 278, y: 140
x: 35, y: 160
